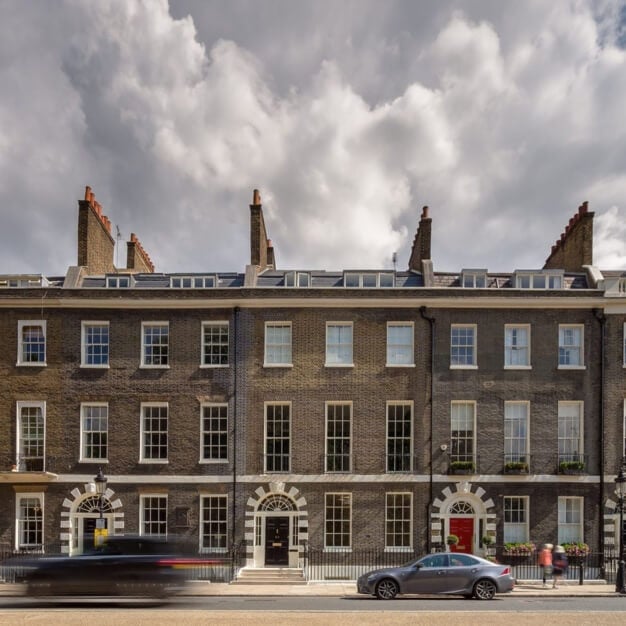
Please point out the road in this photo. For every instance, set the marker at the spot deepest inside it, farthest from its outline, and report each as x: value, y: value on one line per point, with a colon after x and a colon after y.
x: 309, y: 611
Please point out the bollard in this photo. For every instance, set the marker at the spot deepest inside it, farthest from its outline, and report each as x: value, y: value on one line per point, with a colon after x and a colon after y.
x: 580, y: 572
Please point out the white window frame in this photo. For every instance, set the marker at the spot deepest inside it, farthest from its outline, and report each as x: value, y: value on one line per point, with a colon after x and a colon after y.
x: 266, y: 438
x: 328, y: 439
x: 144, y: 327
x: 21, y: 324
x: 210, y: 548
x: 21, y: 404
x: 85, y: 325
x: 395, y: 351
x: 204, y: 344
x: 142, y: 449
x: 534, y: 280
x: 572, y: 347
x: 118, y: 282
x: 463, y: 456
x: 274, y: 348
x: 19, y: 522
x: 522, y: 528
x: 474, y: 361
x: 211, y: 433
x: 511, y: 423
x: 515, y: 347
x: 83, y: 458
x: 571, y: 532
x: 564, y: 450
x: 388, y: 438
x: 142, y: 514
x: 474, y: 279
x: 395, y: 519
x: 344, y: 546
x: 300, y: 280
x: 334, y: 361
x: 193, y: 282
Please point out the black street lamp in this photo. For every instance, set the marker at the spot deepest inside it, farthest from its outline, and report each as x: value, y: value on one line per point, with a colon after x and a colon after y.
x: 620, y: 491
x: 101, y: 486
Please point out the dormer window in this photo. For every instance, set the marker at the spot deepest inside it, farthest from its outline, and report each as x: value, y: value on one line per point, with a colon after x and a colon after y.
x: 193, y: 282
x: 474, y: 279
x: 118, y: 282
x: 297, y: 279
x: 22, y: 281
x: 368, y: 280
x: 539, y: 280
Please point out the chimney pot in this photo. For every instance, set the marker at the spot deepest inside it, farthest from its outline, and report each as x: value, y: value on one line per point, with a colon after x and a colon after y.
x: 424, y: 212
x: 87, y: 192
x: 256, y: 197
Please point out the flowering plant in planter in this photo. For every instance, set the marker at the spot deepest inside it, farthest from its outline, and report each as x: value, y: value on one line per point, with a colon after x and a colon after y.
x: 519, y: 549
x: 576, y: 549
x: 452, y: 540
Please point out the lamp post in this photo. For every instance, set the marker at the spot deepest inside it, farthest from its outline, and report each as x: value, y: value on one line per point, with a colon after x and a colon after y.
x: 620, y: 491
x: 101, y: 485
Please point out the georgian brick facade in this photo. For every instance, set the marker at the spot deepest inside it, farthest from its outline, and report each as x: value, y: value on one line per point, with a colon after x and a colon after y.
x: 278, y: 409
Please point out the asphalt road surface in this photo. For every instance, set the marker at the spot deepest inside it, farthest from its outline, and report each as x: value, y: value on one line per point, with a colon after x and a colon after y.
x: 279, y: 611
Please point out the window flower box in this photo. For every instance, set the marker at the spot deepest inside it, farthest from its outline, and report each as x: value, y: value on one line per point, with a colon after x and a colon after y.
x: 571, y: 467
x: 516, y: 467
x: 462, y: 467
x: 576, y: 551
x: 519, y: 549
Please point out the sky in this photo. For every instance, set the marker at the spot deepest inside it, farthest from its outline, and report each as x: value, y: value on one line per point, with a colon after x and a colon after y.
x: 347, y: 115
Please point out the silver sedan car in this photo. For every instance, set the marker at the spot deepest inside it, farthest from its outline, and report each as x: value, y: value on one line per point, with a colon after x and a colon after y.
x: 446, y: 573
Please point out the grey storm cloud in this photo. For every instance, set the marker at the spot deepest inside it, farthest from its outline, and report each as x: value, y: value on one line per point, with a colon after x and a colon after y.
x: 348, y: 116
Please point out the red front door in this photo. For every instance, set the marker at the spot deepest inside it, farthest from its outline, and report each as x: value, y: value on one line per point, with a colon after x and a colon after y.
x: 463, y: 528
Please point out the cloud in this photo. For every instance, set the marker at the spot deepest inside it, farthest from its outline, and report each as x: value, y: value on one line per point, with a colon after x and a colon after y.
x: 502, y: 121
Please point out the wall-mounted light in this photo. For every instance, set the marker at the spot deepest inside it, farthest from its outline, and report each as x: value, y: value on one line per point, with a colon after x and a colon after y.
x: 444, y: 447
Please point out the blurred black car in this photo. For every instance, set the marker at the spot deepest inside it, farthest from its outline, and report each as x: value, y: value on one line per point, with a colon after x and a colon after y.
x: 123, y: 566
x: 446, y: 573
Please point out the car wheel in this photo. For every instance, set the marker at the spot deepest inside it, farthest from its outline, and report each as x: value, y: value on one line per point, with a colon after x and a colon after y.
x: 485, y: 589
x: 387, y: 589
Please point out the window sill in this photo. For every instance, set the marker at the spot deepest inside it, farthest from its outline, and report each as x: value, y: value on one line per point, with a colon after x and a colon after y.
x: 270, y: 365
x: 154, y: 367
x: 518, y: 367
x: 338, y: 549
x: 399, y: 364
x: 205, y: 366
x: 94, y: 367
x: 213, y: 550
x: 338, y: 365
x: 154, y: 461
x: 213, y: 461
x: 572, y: 367
x: 93, y: 461
x: 464, y: 367
x: 37, y: 364
x: 403, y: 549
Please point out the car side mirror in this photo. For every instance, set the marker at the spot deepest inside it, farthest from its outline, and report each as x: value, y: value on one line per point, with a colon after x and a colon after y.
x: 418, y: 566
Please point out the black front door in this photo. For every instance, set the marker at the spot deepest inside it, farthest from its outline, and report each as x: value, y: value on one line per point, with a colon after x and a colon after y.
x: 276, y: 541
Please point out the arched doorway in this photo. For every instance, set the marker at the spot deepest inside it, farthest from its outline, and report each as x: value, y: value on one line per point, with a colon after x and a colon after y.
x: 463, y: 510
x: 85, y: 521
x: 79, y: 515
x: 280, y: 522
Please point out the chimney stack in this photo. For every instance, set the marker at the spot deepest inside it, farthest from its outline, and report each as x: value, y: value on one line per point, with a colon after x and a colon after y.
x: 574, y: 248
x: 261, y: 249
x: 95, y: 243
x: 137, y: 259
x: 421, y: 244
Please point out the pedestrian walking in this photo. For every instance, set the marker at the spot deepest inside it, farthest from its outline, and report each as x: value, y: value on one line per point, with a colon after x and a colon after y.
x: 559, y: 565
x: 545, y: 561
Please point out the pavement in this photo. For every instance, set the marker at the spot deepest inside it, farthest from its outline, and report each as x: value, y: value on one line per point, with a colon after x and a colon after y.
x: 530, y: 589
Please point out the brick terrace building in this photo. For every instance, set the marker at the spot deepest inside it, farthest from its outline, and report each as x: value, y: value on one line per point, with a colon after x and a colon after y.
x: 343, y: 410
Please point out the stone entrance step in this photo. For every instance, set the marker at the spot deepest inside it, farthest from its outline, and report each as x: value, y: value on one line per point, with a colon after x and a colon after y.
x: 270, y: 576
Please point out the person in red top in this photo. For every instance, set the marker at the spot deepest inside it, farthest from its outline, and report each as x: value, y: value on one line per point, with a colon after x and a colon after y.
x: 545, y: 561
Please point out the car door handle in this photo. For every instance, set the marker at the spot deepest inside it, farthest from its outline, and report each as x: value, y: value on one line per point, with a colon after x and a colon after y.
x: 441, y: 573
